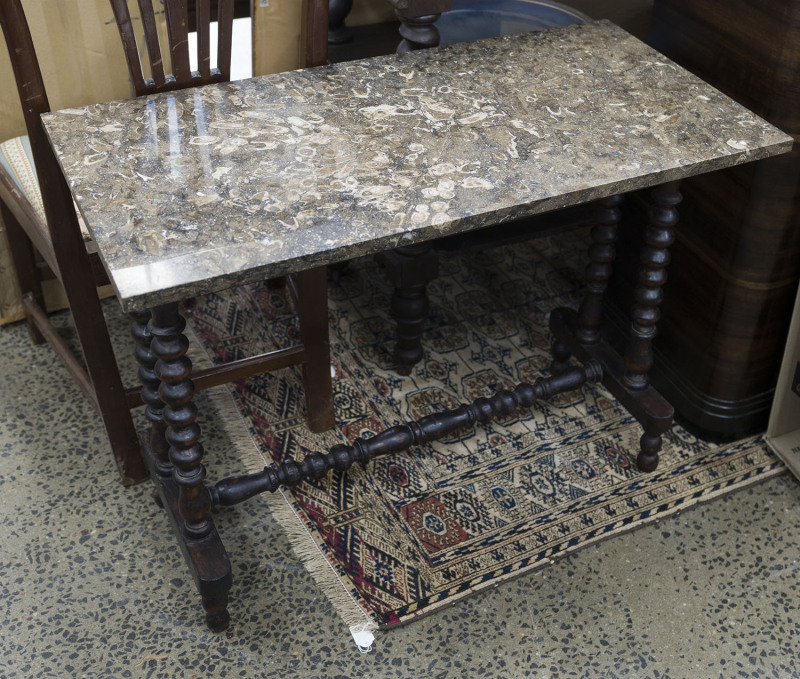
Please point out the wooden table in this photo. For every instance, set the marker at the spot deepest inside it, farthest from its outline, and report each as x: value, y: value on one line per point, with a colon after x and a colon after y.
x: 198, y: 190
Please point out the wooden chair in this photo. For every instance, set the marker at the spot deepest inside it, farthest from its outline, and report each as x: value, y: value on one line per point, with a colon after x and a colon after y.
x: 45, y: 237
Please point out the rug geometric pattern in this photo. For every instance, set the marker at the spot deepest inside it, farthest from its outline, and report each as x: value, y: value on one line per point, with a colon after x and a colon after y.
x: 413, y: 532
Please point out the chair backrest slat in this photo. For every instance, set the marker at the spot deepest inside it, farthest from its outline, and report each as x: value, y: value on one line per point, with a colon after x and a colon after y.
x: 123, y: 17
x: 177, y: 23
x: 178, y: 30
x: 151, y: 38
x: 225, y: 35
x: 203, y: 14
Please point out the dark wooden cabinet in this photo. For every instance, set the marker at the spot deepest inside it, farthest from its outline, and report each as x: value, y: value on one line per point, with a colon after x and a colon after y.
x: 729, y: 303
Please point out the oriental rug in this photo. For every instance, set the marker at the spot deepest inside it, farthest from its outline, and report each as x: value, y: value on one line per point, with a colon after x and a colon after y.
x: 414, y: 532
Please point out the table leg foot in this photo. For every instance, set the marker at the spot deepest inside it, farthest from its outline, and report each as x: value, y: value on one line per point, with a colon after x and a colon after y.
x: 206, y: 558
x: 217, y: 616
x: 649, y: 408
x: 650, y: 446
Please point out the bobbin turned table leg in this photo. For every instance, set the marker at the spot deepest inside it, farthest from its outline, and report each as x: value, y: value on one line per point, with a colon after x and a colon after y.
x: 410, y: 268
x: 658, y: 237
x: 579, y: 333
x: 602, y: 253
x: 154, y: 411
x: 179, y: 475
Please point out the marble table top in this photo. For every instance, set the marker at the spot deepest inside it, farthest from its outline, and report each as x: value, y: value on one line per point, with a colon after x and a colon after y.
x: 197, y: 190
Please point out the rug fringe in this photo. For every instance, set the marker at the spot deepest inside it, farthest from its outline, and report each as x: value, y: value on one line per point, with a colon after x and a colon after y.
x: 307, y: 550
x: 300, y: 538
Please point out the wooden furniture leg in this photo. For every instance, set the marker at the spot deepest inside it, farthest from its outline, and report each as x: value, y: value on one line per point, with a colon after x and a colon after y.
x: 338, y: 10
x: 315, y: 465
x: 417, y: 22
x: 579, y: 333
x: 602, y: 252
x: 105, y: 389
x: 410, y: 268
x: 183, y: 494
x: 312, y: 291
x: 658, y: 237
x: 154, y: 410
x: 22, y: 254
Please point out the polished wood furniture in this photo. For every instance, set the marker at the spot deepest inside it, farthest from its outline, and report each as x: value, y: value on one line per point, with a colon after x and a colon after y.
x: 59, y: 243
x: 389, y: 152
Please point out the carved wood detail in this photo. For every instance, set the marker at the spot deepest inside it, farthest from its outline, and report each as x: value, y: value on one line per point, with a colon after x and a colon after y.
x: 154, y: 410
x: 598, y: 272
x: 417, y: 32
x: 173, y: 368
x: 649, y: 408
x: 654, y: 258
x: 400, y: 438
x: 338, y: 10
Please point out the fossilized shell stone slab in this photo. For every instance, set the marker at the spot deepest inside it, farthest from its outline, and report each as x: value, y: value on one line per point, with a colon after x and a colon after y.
x: 196, y: 190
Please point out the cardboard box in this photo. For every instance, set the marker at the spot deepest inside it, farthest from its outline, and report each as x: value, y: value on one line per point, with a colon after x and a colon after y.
x: 783, y: 430
x: 276, y: 35
x: 80, y: 55
x: 277, y: 27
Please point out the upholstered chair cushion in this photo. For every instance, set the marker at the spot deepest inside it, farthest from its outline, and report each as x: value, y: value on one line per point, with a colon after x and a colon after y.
x: 17, y: 161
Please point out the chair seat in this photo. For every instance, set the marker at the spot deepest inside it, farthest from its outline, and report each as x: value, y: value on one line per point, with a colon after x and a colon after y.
x: 16, y: 159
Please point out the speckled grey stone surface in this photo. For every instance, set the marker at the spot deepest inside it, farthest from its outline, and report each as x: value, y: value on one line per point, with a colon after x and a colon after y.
x: 193, y: 191
x: 92, y: 583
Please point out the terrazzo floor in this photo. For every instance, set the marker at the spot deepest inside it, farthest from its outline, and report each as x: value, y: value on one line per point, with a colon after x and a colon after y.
x: 92, y: 583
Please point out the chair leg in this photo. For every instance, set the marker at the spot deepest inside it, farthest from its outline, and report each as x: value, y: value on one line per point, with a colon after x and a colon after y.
x: 78, y: 279
x: 312, y: 291
x: 22, y: 254
x: 112, y: 402
x: 101, y: 364
x: 109, y: 394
